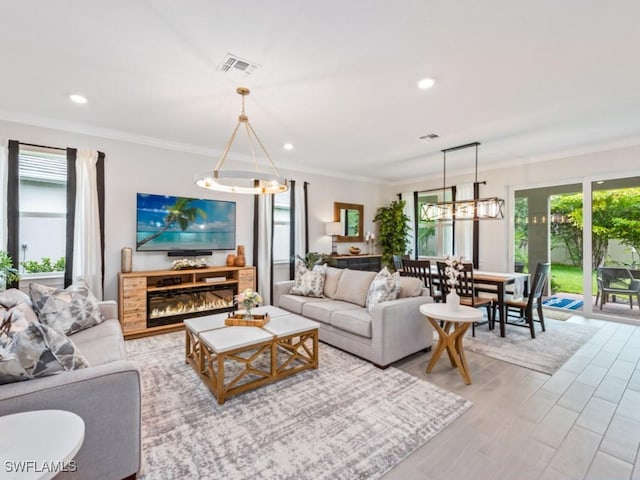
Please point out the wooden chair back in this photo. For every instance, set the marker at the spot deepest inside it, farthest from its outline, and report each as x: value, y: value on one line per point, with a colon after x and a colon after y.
x: 419, y: 269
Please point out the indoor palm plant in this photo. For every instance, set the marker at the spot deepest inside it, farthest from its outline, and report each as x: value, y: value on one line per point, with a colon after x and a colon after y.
x: 8, y: 274
x: 393, y: 230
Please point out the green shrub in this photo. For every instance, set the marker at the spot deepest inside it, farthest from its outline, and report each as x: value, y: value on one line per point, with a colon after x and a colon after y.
x: 44, y: 265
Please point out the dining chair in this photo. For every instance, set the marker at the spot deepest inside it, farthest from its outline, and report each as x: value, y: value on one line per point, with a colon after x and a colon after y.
x: 466, y: 292
x: 523, y: 307
x: 465, y: 288
x: 397, y: 261
x: 421, y: 269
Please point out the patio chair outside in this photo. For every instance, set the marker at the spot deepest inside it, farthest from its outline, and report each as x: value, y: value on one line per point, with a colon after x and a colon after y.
x: 616, y: 281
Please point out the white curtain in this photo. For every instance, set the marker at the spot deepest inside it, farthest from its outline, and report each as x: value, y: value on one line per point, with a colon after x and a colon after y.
x: 87, y: 255
x: 265, y: 209
x: 464, y: 228
x: 4, y: 178
x: 299, y: 239
x: 409, y: 211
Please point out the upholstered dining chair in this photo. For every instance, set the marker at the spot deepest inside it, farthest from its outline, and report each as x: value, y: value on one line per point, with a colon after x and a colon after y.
x: 421, y: 269
x: 524, y: 306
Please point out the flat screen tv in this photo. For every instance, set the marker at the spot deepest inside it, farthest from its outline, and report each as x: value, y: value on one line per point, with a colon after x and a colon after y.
x: 166, y: 223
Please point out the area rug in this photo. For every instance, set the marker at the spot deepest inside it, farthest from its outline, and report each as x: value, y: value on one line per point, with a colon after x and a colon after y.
x: 345, y: 420
x: 546, y: 353
x: 565, y: 303
x: 555, y: 313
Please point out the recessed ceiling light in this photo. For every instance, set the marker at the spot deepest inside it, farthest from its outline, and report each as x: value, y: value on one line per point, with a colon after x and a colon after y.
x: 426, y: 83
x: 287, y: 146
x: 75, y: 98
x: 600, y: 182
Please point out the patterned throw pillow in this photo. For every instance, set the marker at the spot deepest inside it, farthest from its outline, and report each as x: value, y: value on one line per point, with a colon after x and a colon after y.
x: 67, y: 311
x: 31, y: 349
x: 308, y: 283
x: 384, y: 287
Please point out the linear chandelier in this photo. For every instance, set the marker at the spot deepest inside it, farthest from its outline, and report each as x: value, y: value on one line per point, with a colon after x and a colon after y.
x: 491, y: 208
x: 257, y: 181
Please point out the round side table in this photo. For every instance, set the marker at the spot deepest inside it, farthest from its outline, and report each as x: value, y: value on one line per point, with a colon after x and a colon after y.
x: 39, y: 444
x: 460, y: 320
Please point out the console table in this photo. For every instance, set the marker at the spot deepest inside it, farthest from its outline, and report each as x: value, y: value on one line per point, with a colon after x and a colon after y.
x: 370, y: 263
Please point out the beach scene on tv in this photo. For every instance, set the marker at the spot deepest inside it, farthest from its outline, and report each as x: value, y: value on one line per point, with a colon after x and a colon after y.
x: 168, y: 223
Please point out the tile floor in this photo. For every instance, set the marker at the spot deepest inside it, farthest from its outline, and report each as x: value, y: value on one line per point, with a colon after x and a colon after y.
x: 583, y: 422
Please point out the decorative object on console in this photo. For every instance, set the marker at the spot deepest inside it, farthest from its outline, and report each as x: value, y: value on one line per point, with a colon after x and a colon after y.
x: 188, y: 263
x: 240, y: 257
x: 333, y: 229
x: 253, y: 182
x: 393, y: 230
x: 354, y: 250
x: 231, y: 260
x: 248, y: 299
x: 126, y: 261
x: 369, y: 237
x: 473, y: 209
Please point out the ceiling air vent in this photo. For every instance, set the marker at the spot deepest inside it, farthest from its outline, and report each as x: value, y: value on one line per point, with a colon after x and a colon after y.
x: 233, y: 63
x: 428, y: 137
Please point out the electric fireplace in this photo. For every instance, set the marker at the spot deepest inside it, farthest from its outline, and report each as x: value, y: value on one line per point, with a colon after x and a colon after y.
x: 173, y: 306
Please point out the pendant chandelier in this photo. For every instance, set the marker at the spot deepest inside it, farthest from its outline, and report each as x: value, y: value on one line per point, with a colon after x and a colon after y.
x: 263, y: 179
x: 473, y: 209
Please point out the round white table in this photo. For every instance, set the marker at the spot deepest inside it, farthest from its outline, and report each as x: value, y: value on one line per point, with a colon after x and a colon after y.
x: 39, y: 444
x: 460, y: 319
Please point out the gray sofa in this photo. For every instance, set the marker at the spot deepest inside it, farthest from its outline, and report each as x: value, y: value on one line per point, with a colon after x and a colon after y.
x: 392, y: 330
x: 105, y: 395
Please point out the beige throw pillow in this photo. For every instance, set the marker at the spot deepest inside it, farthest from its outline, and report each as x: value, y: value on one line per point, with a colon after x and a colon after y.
x: 410, y: 287
x: 354, y: 286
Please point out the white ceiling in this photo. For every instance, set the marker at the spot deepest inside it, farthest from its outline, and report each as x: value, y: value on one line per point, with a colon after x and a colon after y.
x: 530, y: 80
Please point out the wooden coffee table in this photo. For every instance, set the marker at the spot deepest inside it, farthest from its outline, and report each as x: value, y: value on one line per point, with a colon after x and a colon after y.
x: 234, y: 359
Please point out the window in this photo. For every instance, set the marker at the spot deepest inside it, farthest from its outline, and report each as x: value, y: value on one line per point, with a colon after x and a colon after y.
x: 42, y: 177
x: 281, y: 227
x: 434, y: 239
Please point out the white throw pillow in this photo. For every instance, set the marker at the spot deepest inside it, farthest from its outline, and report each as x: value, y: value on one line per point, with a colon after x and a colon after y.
x: 384, y: 287
x: 308, y: 283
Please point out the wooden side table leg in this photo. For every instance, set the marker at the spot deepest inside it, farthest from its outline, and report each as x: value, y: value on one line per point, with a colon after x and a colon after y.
x: 220, y: 383
x: 462, y: 365
x: 440, y: 346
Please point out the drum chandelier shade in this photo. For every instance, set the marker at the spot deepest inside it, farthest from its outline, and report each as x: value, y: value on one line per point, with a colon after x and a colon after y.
x: 263, y: 179
x: 491, y: 208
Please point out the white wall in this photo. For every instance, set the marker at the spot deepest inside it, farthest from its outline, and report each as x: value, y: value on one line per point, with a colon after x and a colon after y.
x: 494, y: 234
x: 132, y: 168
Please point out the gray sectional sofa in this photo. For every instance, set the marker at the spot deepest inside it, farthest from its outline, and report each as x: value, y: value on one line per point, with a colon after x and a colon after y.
x: 106, y: 395
x: 390, y: 331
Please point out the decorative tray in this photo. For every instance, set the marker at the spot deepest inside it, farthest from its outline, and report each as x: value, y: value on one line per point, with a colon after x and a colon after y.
x: 239, y: 320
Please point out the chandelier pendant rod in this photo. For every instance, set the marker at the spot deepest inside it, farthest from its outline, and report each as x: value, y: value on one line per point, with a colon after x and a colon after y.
x: 273, y: 165
x: 227, y: 147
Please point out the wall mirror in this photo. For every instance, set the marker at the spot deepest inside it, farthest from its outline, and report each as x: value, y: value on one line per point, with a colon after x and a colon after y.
x: 350, y: 216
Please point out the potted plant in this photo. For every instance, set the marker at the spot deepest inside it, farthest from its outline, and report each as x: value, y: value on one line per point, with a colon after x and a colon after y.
x: 393, y: 230
x: 311, y: 259
x: 8, y: 274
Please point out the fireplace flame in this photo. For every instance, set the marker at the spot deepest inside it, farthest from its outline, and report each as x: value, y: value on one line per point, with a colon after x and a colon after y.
x: 191, y: 304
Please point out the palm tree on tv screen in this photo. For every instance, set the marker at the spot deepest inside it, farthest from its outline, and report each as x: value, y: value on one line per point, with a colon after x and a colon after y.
x: 181, y: 213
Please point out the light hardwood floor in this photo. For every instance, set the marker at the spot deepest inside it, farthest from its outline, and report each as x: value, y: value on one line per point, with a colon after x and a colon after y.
x: 581, y: 423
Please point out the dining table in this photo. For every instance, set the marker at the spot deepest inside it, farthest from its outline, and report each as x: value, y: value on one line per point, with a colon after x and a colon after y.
x: 496, y: 283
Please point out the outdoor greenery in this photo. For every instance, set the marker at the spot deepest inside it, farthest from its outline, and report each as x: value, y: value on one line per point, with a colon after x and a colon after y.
x: 393, y: 230
x: 44, y: 265
x: 7, y: 271
x: 568, y: 279
x: 615, y: 215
